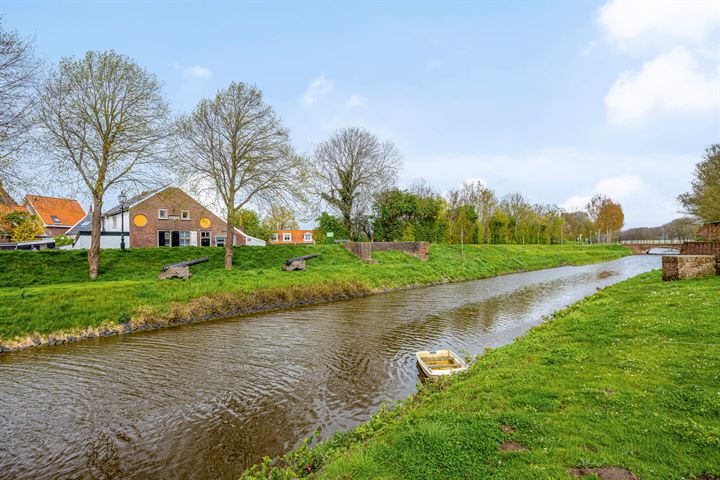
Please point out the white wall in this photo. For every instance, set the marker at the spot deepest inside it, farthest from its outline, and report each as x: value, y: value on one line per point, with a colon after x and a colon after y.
x: 108, y: 222
x: 106, y: 241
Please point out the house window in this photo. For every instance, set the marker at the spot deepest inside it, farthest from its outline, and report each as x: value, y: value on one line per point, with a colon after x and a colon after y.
x: 287, y: 237
x: 307, y: 237
x: 204, y: 239
x: 162, y: 213
x: 55, y: 219
x: 184, y: 239
x: 184, y: 214
x: 220, y: 241
x: 164, y: 239
x: 114, y: 217
x: 274, y: 237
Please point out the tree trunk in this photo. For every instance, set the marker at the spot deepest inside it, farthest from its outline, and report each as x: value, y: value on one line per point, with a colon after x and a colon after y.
x: 94, y: 252
x: 229, y: 240
x: 462, y: 242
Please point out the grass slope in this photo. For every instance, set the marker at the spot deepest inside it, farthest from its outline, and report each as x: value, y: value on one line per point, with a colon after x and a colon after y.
x: 46, y: 292
x: 628, y: 378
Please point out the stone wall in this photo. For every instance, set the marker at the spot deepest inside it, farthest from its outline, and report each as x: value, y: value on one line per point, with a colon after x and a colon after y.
x: 363, y: 250
x: 679, y: 267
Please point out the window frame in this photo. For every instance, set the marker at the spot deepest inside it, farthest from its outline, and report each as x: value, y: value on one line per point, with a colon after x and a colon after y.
x: 182, y: 213
x: 274, y: 237
x: 55, y: 220
x: 168, y: 238
x: 221, y: 238
x: 160, y: 215
x: 307, y: 237
x: 287, y: 237
x: 182, y: 239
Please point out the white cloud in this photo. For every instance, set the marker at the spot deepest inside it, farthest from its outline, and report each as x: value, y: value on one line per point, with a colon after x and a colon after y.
x: 318, y: 87
x: 621, y: 187
x: 575, y: 203
x: 355, y: 100
x: 193, y: 71
x: 673, y: 82
x: 638, y: 24
x: 198, y: 71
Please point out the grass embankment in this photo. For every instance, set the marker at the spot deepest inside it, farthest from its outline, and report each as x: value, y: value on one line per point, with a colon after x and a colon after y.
x: 628, y: 378
x: 47, y: 292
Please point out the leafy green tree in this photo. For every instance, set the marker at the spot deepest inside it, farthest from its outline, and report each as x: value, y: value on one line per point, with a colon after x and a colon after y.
x: 704, y: 198
x: 249, y: 222
x: 498, y: 227
x: 328, y: 223
x: 394, y: 212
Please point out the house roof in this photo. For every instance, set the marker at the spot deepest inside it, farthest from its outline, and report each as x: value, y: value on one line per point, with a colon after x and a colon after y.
x: 67, y: 211
x: 83, y: 225
x: 5, y: 198
x: 134, y: 200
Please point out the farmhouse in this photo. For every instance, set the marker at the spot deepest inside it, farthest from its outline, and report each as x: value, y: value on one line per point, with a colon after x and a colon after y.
x: 167, y: 217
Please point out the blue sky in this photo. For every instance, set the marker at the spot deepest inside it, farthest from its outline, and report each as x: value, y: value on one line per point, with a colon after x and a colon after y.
x: 557, y: 100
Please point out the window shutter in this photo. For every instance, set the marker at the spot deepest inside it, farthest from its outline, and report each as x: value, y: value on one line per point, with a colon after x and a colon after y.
x: 193, y: 239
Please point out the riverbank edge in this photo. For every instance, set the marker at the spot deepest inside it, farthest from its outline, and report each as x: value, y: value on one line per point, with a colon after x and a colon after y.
x: 240, y: 303
x: 313, y: 454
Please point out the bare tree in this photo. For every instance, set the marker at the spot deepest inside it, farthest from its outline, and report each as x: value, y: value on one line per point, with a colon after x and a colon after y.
x: 104, y: 123
x: 350, y: 169
x: 18, y: 68
x: 236, y: 144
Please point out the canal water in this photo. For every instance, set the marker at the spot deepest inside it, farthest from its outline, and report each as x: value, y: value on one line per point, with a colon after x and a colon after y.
x: 207, y: 400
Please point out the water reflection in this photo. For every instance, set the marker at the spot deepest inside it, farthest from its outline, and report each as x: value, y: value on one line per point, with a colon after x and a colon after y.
x: 207, y: 400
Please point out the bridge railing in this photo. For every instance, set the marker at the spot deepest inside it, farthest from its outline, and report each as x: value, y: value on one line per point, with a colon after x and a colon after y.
x: 674, y: 241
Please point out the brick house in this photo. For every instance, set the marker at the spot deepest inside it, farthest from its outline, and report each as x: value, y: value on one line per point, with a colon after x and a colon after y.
x: 56, y: 215
x: 168, y: 217
x: 293, y: 237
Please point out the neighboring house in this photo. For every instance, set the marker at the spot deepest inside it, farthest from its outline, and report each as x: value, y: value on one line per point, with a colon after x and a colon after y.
x: 5, y: 199
x: 56, y: 215
x: 167, y: 217
x: 290, y: 237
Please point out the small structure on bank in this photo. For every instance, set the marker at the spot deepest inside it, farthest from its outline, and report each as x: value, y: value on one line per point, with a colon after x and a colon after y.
x: 697, y: 259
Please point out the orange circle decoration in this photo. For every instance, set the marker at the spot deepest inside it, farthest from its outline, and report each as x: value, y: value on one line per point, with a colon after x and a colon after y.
x: 140, y: 220
x: 205, y: 222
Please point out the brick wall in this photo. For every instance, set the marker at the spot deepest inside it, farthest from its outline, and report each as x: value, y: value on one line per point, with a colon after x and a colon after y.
x: 174, y: 201
x: 296, y: 236
x: 678, y: 267
x: 703, y: 248
x: 709, y: 231
x: 364, y: 250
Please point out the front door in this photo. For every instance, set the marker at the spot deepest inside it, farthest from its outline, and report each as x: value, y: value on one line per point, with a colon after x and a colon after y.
x: 204, y: 239
x: 175, y: 239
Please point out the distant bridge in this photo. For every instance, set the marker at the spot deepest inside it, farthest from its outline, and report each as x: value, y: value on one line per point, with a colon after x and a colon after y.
x: 644, y: 246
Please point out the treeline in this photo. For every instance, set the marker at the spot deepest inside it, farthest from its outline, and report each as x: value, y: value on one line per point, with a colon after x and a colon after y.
x: 683, y: 228
x: 473, y: 214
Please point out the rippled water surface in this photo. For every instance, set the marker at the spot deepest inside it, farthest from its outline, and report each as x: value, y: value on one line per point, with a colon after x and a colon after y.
x: 207, y: 400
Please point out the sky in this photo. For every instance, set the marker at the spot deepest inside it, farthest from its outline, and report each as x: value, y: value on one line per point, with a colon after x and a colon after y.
x: 556, y: 100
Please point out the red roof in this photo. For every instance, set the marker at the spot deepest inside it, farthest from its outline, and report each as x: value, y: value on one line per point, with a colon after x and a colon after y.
x: 56, y: 211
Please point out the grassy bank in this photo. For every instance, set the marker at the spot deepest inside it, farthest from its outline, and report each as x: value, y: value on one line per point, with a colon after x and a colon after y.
x: 47, y: 292
x: 626, y: 382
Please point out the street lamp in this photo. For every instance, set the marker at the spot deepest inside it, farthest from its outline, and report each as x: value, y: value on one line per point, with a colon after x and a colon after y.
x: 123, y: 199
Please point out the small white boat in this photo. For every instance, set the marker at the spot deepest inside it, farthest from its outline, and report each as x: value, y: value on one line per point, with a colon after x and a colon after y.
x: 440, y: 362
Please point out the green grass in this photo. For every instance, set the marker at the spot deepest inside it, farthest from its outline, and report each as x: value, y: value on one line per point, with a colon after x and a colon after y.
x: 627, y: 378
x: 49, y: 291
